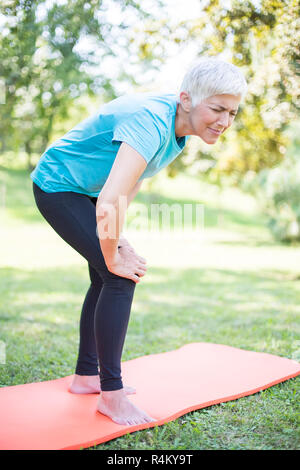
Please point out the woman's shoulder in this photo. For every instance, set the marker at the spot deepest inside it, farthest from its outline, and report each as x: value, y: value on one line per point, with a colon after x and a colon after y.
x: 156, y: 103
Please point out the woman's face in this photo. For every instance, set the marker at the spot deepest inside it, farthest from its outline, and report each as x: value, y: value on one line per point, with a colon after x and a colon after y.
x: 210, y: 118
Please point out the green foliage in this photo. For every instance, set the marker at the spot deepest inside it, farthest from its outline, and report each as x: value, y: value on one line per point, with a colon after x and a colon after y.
x: 45, y: 72
x: 278, y: 191
x: 39, y: 68
x: 282, y: 187
x: 263, y: 39
x: 42, y: 69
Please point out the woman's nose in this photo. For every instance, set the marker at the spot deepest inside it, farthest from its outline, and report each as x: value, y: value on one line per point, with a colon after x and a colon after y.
x: 224, y: 120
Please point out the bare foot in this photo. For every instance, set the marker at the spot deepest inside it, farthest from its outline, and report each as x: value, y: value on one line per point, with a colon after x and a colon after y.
x: 91, y: 384
x: 116, y: 406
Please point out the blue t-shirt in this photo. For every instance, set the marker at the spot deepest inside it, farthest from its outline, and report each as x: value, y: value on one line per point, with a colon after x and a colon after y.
x: 81, y: 160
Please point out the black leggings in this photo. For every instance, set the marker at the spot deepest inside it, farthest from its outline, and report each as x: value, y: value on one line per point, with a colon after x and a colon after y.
x: 106, y: 308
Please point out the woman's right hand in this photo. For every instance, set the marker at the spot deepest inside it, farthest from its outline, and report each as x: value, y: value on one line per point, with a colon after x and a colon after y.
x: 128, y: 264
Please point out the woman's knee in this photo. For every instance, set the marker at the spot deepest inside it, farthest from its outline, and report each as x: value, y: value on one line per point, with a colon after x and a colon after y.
x: 117, y: 282
x: 95, y: 277
x: 99, y: 273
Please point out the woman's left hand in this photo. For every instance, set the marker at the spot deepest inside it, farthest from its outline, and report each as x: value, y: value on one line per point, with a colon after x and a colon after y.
x: 125, y: 245
x: 123, y: 241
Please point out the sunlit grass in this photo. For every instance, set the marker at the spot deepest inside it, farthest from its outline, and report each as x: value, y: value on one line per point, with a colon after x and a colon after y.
x: 229, y: 283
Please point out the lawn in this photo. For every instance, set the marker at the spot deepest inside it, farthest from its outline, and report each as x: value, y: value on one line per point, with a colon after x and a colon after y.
x: 224, y: 282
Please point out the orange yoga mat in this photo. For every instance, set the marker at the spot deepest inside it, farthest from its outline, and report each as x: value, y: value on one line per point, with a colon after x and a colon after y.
x: 45, y: 415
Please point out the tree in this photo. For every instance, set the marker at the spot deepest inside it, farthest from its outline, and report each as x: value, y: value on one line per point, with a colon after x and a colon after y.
x: 43, y: 70
x: 263, y: 39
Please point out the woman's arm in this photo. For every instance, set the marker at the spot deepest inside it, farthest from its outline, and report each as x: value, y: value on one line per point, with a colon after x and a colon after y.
x: 134, y: 192
x: 119, y: 189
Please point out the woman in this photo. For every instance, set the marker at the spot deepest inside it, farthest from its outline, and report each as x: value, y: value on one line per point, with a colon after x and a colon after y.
x: 80, y: 184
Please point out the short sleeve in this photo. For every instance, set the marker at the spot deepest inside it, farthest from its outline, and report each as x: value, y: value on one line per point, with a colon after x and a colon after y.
x: 142, y: 131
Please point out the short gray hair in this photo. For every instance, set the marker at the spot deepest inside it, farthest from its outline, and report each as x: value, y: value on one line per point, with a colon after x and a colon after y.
x: 212, y: 76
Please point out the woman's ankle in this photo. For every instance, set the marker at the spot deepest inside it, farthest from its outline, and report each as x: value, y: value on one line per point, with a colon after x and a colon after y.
x: 112, y: 394
x: 83, y: 376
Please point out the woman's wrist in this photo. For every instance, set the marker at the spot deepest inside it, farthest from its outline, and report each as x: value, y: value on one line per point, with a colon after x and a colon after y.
x: 109, y: 248
x: 111, y: 260
x: 122, y: 241
x: 111, y: 263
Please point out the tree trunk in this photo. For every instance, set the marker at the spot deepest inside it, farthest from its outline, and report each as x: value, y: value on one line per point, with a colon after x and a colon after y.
x: 29, y: 165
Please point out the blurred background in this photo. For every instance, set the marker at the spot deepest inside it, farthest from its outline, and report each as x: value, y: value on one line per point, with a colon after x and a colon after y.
x: 59, y: 60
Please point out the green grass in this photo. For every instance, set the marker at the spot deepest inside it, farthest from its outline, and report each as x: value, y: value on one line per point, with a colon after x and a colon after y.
x: 229, y: 284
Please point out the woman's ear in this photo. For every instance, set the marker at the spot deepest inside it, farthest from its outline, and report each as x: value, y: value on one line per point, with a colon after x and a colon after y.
x: 185, y: 101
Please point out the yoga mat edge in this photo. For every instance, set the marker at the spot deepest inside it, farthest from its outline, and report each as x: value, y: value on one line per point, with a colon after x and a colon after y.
x: 179, y: 414
x: 169, y: 385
